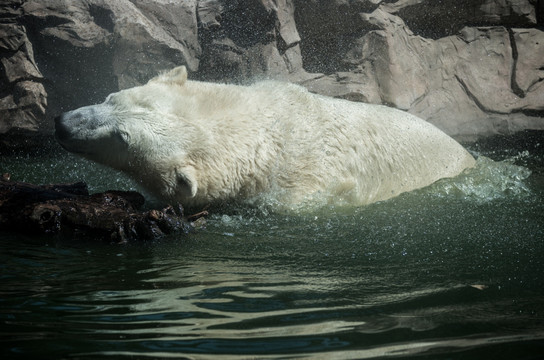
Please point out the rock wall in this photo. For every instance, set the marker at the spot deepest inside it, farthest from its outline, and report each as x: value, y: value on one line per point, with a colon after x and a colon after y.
x: 472, y: 67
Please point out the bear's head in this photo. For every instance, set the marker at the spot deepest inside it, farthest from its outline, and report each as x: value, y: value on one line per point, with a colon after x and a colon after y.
x: 142, y: 131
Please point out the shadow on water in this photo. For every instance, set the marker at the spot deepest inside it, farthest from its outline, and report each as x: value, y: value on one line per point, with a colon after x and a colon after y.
x: 453, y: 271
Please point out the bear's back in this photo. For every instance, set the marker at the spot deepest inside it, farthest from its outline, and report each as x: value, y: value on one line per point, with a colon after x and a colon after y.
x: 364, y: 152
x: 282, y: 138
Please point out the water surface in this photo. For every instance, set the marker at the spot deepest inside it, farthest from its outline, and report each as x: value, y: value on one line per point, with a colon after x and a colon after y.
x: 453, y: 271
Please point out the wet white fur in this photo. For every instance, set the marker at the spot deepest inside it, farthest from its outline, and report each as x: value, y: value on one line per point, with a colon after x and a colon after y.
x: 197, y: 142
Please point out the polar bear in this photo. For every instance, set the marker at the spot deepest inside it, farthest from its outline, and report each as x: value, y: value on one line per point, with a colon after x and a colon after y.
x: 199, y: 143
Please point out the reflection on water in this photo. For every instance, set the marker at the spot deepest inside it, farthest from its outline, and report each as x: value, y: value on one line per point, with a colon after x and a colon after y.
x: 453, y: 271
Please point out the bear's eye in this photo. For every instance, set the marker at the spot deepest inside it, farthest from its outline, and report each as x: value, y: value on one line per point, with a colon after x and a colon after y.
x: 109, y: 98
x: 123, y: 136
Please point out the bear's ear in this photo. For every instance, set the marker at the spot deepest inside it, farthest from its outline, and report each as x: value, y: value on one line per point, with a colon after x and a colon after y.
x: 176, y: 76
x: 186, y: 180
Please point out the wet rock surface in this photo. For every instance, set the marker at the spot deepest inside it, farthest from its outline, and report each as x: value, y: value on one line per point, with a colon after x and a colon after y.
x: 474, y: 68
x: 69, y: 210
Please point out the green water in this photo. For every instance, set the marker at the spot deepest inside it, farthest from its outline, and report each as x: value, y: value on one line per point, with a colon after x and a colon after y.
x: 454, y: 271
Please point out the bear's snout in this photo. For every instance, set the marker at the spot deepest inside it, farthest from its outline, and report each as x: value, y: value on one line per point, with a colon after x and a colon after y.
x: 87, y: 130
x: 80, y: 123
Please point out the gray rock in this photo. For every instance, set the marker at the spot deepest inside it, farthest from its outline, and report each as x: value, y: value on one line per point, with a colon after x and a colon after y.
x: 480, y: 81
x: 88, y: 49
x: 529, y: 66
x: 435, y: 19
x: 247, y: 39
x: 22, y: 96
x: 472, y: 67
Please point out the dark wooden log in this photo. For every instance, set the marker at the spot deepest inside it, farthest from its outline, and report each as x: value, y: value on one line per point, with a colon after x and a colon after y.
x: 69, y: 209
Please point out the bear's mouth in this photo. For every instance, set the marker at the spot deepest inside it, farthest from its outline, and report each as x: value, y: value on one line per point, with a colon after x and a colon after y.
x: 64, y: 137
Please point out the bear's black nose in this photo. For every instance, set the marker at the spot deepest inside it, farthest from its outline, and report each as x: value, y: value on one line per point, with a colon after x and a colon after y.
x: 61, y: 130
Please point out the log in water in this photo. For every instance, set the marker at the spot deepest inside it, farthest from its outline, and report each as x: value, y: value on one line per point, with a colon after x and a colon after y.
x: 69, y: 208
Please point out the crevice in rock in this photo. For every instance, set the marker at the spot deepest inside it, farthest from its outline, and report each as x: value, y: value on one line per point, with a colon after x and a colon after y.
x: 419, y: 99
x: 281, y: 45
x: 9, y: 88
x: 102, y: 17
x: 5, y: 52
x: 540, y: 12
x: 530, y: 112
x: 535, y: 83
x: 470, y: 94
x: 513, y: 83
x: 37, y: 24
x: 10, y: 12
